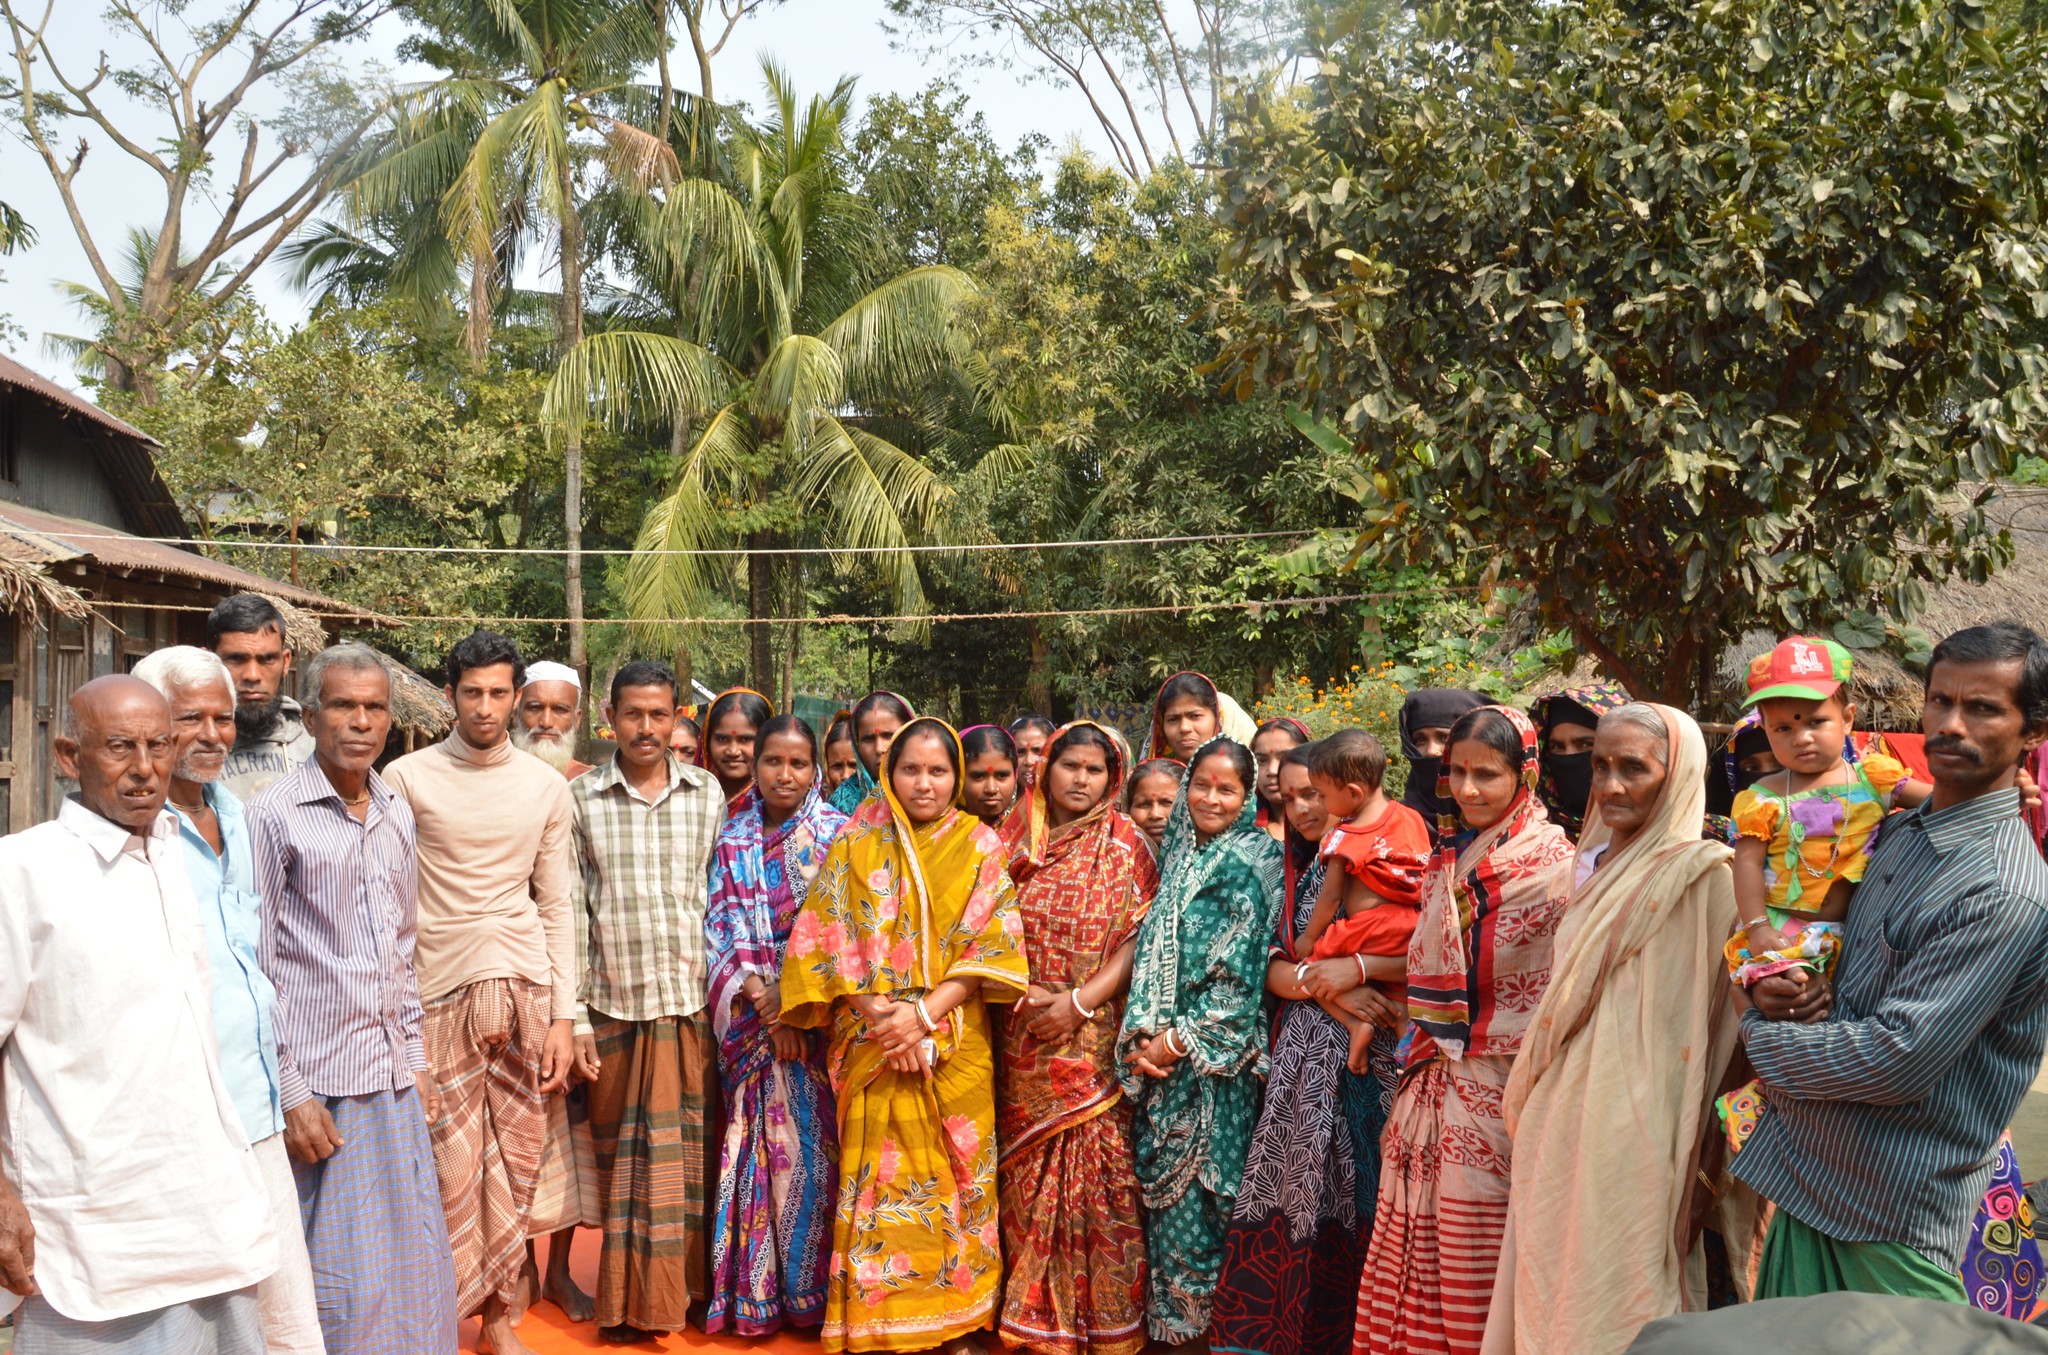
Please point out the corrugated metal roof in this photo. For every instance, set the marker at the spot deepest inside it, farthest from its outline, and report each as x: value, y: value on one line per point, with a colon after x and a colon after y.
x: 33, y: 536
x: 126, y: 454
x: 14, y: 374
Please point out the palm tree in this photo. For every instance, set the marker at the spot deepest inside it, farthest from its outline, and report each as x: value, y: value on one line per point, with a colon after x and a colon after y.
x: 797, y: 373
x: 537, y: 90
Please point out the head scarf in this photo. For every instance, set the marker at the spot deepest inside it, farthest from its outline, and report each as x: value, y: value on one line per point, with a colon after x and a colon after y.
x: 1490, y: 906
x: 1083, y: 889
x: 1430, y: 708
x: 861, y: 784
x: 704, y: 741
x: 1567, y: 782
x: 1232, y: 722
x: 900, y: 907
x: 1635, y: 953
x: 759, y: 877
x: 1241, y: 862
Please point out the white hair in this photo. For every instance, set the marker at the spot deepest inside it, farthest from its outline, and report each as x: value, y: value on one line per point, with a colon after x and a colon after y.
x: 348, y: 656
x: 1644, y: 719
x: 184, y: 666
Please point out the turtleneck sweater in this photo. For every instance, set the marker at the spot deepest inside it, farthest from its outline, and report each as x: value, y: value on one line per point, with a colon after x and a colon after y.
x: 496, y: 868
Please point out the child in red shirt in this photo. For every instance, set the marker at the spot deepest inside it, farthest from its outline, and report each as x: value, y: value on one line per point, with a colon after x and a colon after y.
x: 1375, y: 852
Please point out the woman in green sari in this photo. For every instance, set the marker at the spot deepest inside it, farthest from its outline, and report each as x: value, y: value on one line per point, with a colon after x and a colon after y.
x: 1193, y: 1045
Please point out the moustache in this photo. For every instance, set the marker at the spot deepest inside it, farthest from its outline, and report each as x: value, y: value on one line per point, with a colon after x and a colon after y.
x: 1950, y: 744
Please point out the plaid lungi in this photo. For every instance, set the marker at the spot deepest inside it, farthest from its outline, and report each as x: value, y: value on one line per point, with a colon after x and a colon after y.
x: 567, y: 1195
x: 485, y: 1043
x: 376, y: 1234
x: 653, y: 1112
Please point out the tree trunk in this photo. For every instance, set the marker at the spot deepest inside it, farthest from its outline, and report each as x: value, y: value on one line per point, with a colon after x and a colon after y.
x: 479, y: 328
x: 1038, y: 683
x: 760, y: 606
x: 571, y: 334
x: 796, y: 630
x: 685, y: 671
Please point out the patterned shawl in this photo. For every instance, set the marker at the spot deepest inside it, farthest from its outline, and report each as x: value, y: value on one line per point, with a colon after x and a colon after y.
x: 898, y: 908
x: 1233, y: 882
x: 758, y: 881
x: 1233, y: 722
x: 1573, y: 706
x: 1084, y: 888
x: 1490, y: 908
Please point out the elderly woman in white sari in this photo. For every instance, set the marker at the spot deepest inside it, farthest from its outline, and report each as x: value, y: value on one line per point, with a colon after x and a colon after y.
x: 1621, y: 1067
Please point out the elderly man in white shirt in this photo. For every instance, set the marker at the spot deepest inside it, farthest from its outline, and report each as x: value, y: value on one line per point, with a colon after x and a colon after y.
x: 133, y: 1215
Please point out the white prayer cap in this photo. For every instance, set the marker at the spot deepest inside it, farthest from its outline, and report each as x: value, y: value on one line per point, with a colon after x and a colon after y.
x: 547, y: 670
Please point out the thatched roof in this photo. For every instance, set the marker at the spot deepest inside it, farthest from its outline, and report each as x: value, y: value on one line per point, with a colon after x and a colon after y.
x: 25, y: 587
x: 303, y: 634
x: 417, y: 704
x: 1887, y: 694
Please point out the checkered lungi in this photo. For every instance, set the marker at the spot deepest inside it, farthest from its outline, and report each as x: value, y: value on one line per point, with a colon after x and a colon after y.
x: 653, y: 1113
x: 485, y: 1042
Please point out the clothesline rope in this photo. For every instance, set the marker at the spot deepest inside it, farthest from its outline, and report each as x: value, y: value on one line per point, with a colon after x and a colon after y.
x: 840, y: 619
x: 985, y: 547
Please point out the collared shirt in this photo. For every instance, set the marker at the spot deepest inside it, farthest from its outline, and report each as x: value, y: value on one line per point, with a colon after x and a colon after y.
x: 646, y: 879
x: 117, y: 1129
x: 255, y: 765
x: 244, y: 1002
x: 1881, y: 1123
x: 338, y: 918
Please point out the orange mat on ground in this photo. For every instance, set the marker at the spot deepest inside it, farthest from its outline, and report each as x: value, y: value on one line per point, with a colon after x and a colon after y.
x: 547, y: 1332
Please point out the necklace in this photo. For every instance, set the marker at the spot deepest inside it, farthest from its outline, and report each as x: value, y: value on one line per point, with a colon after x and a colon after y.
x: 359, y: 800
x: 194, y: 810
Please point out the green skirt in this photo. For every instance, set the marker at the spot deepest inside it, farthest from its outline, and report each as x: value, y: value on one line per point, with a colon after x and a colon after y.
x: 1799, y: 1262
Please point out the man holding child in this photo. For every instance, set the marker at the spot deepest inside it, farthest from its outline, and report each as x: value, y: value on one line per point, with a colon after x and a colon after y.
x: 1909, y: 1070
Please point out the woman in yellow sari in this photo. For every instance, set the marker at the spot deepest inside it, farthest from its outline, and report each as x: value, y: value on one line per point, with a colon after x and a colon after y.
x: 910, y: 930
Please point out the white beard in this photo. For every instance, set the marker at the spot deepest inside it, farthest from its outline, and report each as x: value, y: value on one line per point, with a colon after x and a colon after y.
x: 556, y: 752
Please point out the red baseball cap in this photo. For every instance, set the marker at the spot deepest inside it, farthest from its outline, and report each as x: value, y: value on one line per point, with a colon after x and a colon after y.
x: 1803, y: 667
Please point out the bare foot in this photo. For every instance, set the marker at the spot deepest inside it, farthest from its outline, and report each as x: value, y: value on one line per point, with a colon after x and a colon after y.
x: 529, y: 1287
x: 497, y: 1336
x: 559, y: 1288
x: 626, y: 1334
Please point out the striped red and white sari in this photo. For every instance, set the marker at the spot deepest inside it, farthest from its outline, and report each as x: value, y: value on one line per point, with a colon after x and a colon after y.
x: 1477, y: 968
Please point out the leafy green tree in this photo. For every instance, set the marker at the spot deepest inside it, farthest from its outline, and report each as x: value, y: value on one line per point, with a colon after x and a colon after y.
x: 1695, y: 318
x: 802, y: 364
x: 1094, y: 322
x: 328, y: 434
x: 930, y: 171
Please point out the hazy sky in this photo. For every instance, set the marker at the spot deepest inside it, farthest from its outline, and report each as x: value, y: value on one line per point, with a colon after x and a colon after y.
x: 817, y: 41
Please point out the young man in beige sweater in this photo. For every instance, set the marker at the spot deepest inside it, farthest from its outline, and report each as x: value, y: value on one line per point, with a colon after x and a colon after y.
x: 497, y: 969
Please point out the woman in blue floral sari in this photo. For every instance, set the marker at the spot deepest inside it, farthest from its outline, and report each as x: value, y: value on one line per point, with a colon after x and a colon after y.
x: 771, y: 1227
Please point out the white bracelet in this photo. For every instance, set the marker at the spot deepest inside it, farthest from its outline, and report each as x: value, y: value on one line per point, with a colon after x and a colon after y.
x: 1173, y: 1045
x: 1074, y: 996
x: 925, y: 1016
x: 1363, y: 977
x: 1301, y: 975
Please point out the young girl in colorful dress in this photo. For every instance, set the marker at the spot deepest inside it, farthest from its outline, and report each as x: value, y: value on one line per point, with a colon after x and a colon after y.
x: 1803, y: 835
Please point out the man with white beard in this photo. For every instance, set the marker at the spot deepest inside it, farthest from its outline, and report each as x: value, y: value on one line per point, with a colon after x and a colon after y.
x: 550, y: 705
x: 544, y: 724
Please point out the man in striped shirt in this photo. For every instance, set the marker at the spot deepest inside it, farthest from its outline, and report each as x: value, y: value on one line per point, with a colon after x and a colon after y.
x: 1883, y: 1116
x: 336, y: 871
x: 646, y: 825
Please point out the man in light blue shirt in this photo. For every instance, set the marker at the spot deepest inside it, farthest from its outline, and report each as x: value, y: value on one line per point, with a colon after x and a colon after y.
x: 222, y: 868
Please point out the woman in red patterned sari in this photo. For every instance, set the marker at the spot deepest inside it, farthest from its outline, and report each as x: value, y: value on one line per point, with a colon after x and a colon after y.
x: 1069, y: 1190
